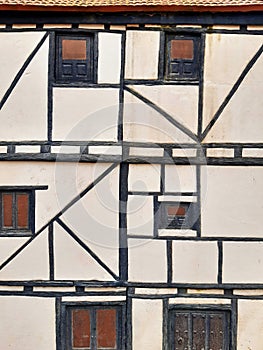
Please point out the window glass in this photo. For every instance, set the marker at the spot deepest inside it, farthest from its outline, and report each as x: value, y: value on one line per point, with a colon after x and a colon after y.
x: 182, y: 61
x: 74, y: 58
x: 182, y: 49
x: 74, y: 49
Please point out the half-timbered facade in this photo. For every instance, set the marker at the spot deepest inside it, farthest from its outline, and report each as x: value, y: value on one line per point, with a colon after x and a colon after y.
x: 131, y: 175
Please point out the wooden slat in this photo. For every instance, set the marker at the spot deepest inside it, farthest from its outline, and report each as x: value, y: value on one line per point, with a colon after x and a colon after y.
x: 106, y: 329
x: 181, y: 331
x: 7, y: 204
x: 81, y: 328
x: 22, y: 210
x: 199, y: 331
x: 216, y: 332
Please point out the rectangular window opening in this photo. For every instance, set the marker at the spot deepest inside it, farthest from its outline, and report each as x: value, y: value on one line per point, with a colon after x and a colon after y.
x: 182, y: 60
x: 177, y: 215
x: 199, y: 329
x: 17, y: 212
x: 75, y: 58
x: 93, y: 328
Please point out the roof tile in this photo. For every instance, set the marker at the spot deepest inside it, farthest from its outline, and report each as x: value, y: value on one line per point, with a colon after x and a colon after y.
x: 89, y: 3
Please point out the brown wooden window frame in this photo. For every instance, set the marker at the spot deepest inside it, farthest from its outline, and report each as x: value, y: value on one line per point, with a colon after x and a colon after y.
x: 15, y: 213
x: 67, y: 327
x: 195, y: 328
x: 87, y: 64
x: 182, y: 69
x: 186, y: 221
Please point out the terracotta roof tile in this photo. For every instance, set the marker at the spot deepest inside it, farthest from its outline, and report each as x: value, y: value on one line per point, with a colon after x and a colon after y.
x: 89, y: 3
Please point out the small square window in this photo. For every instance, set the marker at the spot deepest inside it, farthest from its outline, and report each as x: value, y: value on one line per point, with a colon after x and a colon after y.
x: 182, y: 57
x: 93, y: 328
x: 176, y: 215
x: 74, y: 58
x: 16, y: 212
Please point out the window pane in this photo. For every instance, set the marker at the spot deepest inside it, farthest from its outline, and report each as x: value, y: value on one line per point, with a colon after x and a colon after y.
x: 81, y: 328
x: 176, y: 210
x: 7, y: 203
x: 106, y: 328
x: 22, y: 210
x: 74, y: 49
x: 182, y: 49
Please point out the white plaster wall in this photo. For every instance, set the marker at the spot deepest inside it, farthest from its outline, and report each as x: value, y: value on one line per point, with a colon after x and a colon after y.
x: 109, y: 58
x: 195, y: 262
x: 242, y: 262
x: 140, y: 215
x: 32, y: 263
x: 147, y: 260
x: 198, y: 301
x: 179, y: 178
x: 9, y: 245
x: 72, y: 262
x: 250, y: 324
x: 226, y: 56
x: 64, y: 180
x: 232, y: 201
x: 15, y: 49
x: 142, y: 54
x: 85, y: 114
x: 24, y: 114
x: 180, y: 102
x: 144, y: 177
x: 143, y: 124
x: 241, y: 120
x: 147, y: 324
x: 95, y: 219
x: 27, y: 323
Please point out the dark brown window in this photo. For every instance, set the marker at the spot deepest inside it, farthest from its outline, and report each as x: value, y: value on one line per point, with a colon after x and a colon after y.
x: 182, y: 57
x: 176, y: 215
x: 199, y: 330
x: 16, y: 207
x: 74, y: 58
x: 94, y: 328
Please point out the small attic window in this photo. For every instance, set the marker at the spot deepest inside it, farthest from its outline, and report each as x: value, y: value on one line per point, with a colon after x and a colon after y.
x: 176, y: 215
x: 182, y: 57
x: 74, y: 58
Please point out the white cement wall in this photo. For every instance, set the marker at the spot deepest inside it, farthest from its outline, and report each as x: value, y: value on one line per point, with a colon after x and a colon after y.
x: 109, y: 58
x: 147, y: 324
x: 142, y: 54
x: 24, y: 114
x: 250, y: 324
x: 222, y: 70
x: 85, y: 114
x: 232, y: 201
x: 147, y: 260
x: 195, y: 262
x: 27, y: 323
x: 143, y: 124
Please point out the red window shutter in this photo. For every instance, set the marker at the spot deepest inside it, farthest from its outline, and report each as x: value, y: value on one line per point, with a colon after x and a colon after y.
x: 81, y: 328
x: 7, y: 203
x: 106, y: 329
x: 22, y: 210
